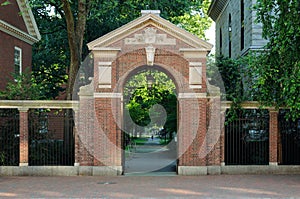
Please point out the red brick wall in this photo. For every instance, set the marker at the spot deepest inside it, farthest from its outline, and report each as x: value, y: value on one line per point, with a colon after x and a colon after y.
x: 273, y: 136
x: 192, y: 132
x: 7, y: 47
x: 11, y: 15
x: 23, y: 137
x: 84, y: 140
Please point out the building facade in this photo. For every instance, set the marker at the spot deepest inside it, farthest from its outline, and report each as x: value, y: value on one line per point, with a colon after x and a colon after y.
x: 18, y: 32
x: 237, y: 32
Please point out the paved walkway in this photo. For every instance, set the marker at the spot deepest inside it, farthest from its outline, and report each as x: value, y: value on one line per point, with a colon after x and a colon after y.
x: 185, y: 187
x: 151, y: 157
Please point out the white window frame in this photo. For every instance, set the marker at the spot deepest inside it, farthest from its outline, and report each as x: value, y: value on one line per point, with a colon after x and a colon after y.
x: 20, y: 63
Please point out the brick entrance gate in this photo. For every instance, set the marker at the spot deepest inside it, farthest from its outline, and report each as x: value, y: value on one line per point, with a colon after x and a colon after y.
x: 149, y: 41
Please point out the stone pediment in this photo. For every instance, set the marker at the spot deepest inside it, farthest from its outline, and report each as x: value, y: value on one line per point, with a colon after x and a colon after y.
x: 149, y: 29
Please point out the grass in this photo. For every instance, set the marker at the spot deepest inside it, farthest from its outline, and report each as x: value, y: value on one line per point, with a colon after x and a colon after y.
x: 139, y: 141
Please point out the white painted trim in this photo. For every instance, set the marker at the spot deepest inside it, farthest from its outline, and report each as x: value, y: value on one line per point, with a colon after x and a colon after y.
x: 29, y: 19
x: 195, y: 63
x: 104, y: 86
x: 191, y: 95
x: 193, y: 50
x: 106, y: 49
x: 104, y: 64
x: 195, y: 86
x: 108, y: 95
x: 17, y: 33
x: 21, y: 59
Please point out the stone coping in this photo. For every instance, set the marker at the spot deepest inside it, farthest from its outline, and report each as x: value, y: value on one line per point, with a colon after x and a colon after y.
x: 55, y: 104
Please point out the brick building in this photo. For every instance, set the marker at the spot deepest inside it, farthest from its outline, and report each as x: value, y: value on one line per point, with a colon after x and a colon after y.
x: 18, y: 32
x: 236, y: 29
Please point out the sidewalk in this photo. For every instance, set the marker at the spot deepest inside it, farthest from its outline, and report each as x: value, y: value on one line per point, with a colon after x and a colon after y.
x: 151, y: 157
x: 185, y: 187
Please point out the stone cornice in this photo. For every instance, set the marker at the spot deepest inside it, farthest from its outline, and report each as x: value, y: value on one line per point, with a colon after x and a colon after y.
x: 29, y: 19
x: 15, y: 32
x: 216, y: 8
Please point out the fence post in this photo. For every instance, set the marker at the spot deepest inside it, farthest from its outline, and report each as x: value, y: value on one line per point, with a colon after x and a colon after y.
x: 222, y: 137
x: 75, y: 134
x: 273, y: 137
x: 23, y: 136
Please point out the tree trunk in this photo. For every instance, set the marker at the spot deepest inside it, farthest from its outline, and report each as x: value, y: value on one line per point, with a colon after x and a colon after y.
x: 75, y: 38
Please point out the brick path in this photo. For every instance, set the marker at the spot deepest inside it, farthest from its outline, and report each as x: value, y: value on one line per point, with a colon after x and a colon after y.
x: 221, y: 186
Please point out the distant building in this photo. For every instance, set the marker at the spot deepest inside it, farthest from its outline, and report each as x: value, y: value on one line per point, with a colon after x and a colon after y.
x: 236, y: 29
x: 18, y: 32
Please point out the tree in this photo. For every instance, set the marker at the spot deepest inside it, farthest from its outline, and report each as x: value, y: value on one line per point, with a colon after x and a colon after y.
x: 22, y: 87
x: 195, y: 21
x: 277, y: 68
x: 66, y: 27
x: 154, y: 104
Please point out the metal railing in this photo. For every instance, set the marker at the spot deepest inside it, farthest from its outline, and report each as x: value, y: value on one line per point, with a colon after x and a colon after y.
x: 247, y: 138
x: 51, y: 139
x: 50, y: 132
x: 290, y: 139
x: 9, y: 137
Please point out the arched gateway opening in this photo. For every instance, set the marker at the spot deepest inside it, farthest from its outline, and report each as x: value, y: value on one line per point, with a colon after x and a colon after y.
x: 150, y: 122
x: 149, y: 42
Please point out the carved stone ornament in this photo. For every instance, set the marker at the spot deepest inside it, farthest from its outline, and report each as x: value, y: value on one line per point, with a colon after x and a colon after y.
x: 87, y: 90
x: 150, y: 36
x: 150, y: 52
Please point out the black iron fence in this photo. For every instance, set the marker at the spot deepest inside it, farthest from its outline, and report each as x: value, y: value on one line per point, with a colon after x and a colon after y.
x: 9, y: 137
x: 51, y: 140
x: 247, y: 138
x: 290, y: 139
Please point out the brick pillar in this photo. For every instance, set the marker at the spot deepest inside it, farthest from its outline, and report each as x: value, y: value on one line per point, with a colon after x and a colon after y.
x: 23, y: 136
x: 214, y: 131
x: 85, y: 127
x: 273, y: 137
x: 222, y: 137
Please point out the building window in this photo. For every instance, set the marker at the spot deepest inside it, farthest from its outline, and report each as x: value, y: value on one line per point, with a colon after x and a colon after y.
x: 221, y: 41
x: 229, y: 34
x: 242, y: 24
x: 18, y: 60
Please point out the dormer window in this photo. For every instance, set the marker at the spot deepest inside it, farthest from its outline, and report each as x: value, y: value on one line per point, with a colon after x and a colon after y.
x: 18, y: 61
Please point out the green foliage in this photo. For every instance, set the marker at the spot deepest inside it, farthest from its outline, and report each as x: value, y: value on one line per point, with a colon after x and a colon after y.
x: 195, y: 21
x: 5, y: 3
x: 23, y: 87
x: 230, y: 70
x: 141, y: 98
x: 278, y: 67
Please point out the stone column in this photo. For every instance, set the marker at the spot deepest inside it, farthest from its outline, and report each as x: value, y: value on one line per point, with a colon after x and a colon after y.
x: 273, y: 137
x: 23, y: 136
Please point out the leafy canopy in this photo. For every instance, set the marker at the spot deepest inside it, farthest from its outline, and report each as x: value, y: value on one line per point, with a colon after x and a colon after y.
x: 278, y: 66
x: 141, y: 100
